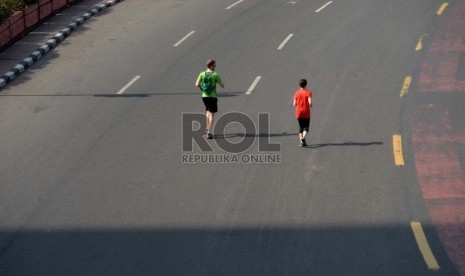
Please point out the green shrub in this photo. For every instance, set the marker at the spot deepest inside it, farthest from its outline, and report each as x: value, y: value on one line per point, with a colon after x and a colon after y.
x: 4, y: 12
x: 7, y: 7
x: 13, y: 5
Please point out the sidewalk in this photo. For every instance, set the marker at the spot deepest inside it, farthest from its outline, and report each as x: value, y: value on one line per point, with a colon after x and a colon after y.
x: 46, y: 36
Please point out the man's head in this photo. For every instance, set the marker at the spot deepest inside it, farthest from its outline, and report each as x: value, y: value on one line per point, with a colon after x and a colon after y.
x: 211, y: 64
x: 303, y: 83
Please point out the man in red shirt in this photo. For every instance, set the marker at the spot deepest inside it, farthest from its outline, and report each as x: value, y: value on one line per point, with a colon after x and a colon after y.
x: 303, y: 104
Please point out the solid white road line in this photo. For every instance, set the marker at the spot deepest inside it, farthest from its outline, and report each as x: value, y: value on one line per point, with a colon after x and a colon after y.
x: 254, y: 84
x: 234, y: 4
x: 281, y: 46
x: 122, y: 90
x: 183, y: 39
x: 324, y: 6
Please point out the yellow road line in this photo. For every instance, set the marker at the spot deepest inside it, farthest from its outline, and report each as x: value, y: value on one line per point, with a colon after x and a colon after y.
x: 423, y: 245
x: 397, y: 146
x: 442, y: 8
x: 406, y: 86
x: 420, y: 44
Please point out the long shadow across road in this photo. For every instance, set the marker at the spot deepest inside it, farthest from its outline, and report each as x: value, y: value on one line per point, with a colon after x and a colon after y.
x: 345, y: 144
x: 223, y: 251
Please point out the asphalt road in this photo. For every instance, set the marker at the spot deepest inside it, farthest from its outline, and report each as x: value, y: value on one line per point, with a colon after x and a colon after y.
x: 93, y: 182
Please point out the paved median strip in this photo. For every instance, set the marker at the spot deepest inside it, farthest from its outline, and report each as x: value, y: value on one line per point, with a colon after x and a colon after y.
x: 52, y: 43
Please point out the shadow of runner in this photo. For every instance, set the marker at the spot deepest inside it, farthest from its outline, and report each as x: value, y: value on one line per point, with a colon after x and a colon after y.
x: 252, y: 135
x: 112, y: 95
x: 345, y: 144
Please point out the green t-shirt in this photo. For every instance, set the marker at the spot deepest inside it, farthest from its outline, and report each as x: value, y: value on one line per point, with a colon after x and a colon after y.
x: 215, y: 78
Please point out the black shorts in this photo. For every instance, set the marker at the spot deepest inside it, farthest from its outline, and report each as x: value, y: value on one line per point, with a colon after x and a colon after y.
x: 211, y: 104
x: 304, y: 124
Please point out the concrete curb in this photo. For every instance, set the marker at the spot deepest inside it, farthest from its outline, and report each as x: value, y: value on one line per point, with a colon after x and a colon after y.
x: 22, y: 66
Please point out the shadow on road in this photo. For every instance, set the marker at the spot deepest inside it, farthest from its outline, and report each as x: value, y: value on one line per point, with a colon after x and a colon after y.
x: 132, y: 95
x: 345, y: 144
x: 353, y: 250
x: 252, y: 135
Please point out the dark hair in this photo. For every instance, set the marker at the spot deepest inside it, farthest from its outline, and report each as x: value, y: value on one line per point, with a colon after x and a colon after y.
x: 303, y: 83
x: 210, y: 63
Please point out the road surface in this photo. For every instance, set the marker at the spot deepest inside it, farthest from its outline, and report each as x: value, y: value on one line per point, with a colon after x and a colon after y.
x: 92, y: 174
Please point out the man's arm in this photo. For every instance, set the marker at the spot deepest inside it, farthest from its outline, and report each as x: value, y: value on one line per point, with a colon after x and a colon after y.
x: 220, y: 81
x: 197, y: 82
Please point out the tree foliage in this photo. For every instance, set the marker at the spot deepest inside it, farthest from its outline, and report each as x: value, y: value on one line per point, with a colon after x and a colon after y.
x: 7, y: 7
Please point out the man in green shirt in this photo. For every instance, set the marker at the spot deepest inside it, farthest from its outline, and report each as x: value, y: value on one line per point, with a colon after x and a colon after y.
x: 207, y: 81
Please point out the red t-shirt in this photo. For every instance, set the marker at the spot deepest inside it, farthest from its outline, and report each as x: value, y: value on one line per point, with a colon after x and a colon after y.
x: 302, y: 108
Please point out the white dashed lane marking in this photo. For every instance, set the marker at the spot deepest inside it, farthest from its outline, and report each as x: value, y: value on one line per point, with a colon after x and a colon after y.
x: 183, y: 39
x: 324, y: 6
x: 122, y: 90
x: 254, y: 84
x: 238, y: 2
x: 281, y: 46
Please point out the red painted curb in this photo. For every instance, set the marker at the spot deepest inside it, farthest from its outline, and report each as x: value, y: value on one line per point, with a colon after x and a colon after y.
x: 436, y: 139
